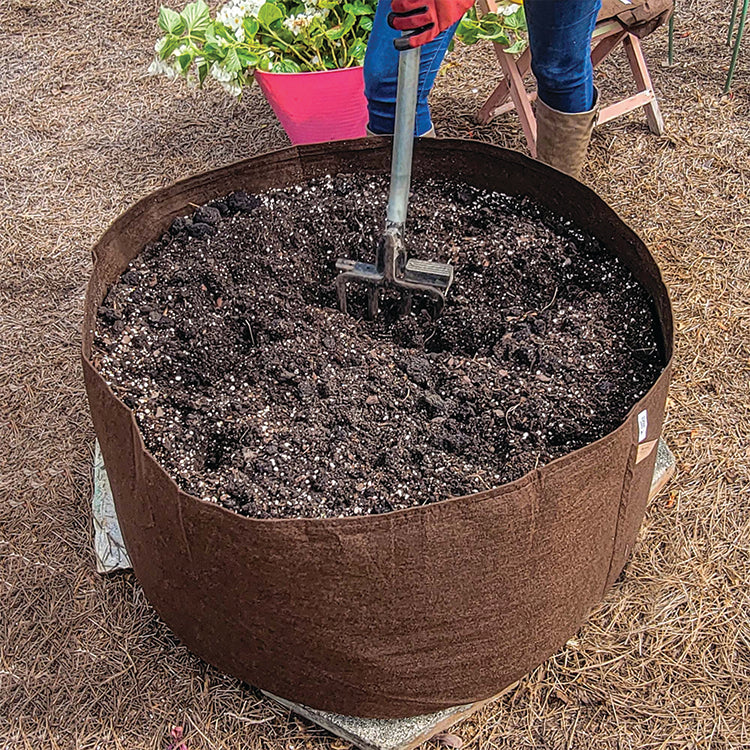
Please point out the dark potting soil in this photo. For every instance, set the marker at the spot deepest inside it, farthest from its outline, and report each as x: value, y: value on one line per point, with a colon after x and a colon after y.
x: 252, y: 390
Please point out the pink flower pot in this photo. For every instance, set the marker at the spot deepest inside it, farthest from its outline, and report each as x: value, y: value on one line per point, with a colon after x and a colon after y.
x: 328, y: 105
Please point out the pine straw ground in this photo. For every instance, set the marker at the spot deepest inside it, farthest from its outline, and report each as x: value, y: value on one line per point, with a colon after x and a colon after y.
x: 664, y: 662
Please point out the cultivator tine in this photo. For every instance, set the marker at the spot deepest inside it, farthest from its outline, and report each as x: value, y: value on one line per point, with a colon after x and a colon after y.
x: 373, y: 302
x: 405, y: 304
x: 341, y: 292
x: 354, y: 270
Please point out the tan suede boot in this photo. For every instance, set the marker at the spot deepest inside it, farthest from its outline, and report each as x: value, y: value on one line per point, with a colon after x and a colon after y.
x: 563, y: 138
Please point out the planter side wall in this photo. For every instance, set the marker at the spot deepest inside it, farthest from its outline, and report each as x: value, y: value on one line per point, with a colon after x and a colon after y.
x: 407, y: 612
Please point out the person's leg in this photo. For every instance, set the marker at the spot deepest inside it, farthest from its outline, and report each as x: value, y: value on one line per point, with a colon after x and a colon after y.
x: 560, y: 40
x: 381, y: 74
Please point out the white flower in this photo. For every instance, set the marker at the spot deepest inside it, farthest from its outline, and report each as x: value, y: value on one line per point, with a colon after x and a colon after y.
x: 295, y: 24
x: 240, y: 34
x: 508, y: 8
x: 231, y: 88
x: 251, y: 7
x: 312, y: 5
x: 232, y: 20
x: 159, y: 46
x: 220, y: 74
x: 159, y: 67
x: 232, y: 14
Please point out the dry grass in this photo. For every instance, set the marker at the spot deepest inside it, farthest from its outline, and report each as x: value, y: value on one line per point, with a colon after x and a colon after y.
x: 85, y: 662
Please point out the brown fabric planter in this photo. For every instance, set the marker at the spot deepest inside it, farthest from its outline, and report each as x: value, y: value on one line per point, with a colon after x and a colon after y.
x: 411, y: 611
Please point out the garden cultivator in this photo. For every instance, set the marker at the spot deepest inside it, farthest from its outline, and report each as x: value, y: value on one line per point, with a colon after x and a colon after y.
x: 393, y: 269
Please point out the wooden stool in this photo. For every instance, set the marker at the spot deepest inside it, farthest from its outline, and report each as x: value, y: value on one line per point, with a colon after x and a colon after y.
x: 610, y: 31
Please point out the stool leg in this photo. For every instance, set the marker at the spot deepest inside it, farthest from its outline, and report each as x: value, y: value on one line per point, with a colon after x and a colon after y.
x: 501, y: 94
x: 737, y: 43
x: 520, y: 98
x: 637, y: 61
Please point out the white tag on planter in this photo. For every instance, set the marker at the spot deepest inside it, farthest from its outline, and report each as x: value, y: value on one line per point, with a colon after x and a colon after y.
x: 642, y: 425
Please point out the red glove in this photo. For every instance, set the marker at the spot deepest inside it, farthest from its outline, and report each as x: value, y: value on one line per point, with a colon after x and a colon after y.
x: 424, y: 19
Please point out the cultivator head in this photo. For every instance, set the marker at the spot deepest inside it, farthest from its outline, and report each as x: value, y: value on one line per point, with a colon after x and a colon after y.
x: 393, y: 271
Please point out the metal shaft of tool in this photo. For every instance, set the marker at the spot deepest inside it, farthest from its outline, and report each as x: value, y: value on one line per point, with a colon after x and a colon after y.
x: 403, y: 138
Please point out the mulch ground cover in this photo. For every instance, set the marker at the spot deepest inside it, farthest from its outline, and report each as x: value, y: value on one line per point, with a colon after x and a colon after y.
x: 254, y: 391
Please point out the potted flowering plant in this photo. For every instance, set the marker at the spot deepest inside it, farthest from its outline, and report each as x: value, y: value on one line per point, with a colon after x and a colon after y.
x: 306, y: 55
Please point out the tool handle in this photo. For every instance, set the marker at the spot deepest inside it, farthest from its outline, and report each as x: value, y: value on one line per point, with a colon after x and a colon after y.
x: 403, y: 137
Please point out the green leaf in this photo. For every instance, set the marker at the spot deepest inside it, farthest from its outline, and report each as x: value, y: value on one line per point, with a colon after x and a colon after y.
x: 358, y: 49
x: 196, y: 17
x: 213, y: 52
x: 365, y: 23
x: 286, y: 66
x: 519, y: 46
x: 343, y: 28
x: 251, y: 26
x: 357, y: 9
x: 488, y: 28
x: 184, y: 61
x: 247, y: 59
x: 499, y: 35
x: 202, y: 72
x: 348, y: 24
x: 170, y: 21
x: 269, y: 13
x: 467, y: 35
x: 171, y: 43
x: 317, y: 41
x: 232, y: 62
x: 516, y: 20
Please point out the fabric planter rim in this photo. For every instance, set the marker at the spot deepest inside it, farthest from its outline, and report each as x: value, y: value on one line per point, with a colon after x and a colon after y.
x: 495, y: 492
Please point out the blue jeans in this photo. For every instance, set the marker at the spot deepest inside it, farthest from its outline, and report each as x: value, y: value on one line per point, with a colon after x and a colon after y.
x: 381, y: 73
x: 559, y: 37
x: 560, y: 40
